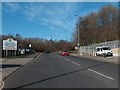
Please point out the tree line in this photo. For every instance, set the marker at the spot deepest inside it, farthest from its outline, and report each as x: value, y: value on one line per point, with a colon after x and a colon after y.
x: 98, y: 26
x: 40, y: 44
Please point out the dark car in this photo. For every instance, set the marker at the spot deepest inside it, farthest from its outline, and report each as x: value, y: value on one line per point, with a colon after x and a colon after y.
x: 47, y: 51
x: 64, y: 52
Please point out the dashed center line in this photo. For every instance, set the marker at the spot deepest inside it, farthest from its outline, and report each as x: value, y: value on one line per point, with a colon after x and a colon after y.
x: 101, y: 74
x: 70, y: 61
x: 76, y: 63
x: 67, y: 59
x: 88, y: 69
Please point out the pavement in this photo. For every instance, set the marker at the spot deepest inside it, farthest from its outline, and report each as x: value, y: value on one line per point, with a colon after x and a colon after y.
x: 113, y: 59
x: 55, y: 71
x: 12, y: 64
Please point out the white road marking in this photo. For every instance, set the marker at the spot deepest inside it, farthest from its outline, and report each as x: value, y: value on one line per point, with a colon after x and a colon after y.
x: 101, y: 74
x: 75, y: 63
x: 39, y: 55
x: 3, y: 84
x: 88, y: 69
x: 69, y: 61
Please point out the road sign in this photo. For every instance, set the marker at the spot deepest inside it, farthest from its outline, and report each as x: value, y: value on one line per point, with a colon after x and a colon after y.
x: 76, y: 47
x: 30, y: 45
x: 9, y: 44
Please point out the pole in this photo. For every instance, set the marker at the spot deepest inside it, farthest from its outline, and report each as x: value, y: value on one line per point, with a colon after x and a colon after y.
x: 15, y: 52
x: 78, y: 40
x: 79, y: 48
x: 6, y: 53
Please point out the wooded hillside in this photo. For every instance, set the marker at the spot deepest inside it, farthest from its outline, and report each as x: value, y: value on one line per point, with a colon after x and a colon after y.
x: 98, y: 26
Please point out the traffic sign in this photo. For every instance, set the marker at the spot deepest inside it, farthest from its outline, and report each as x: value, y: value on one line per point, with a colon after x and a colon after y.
x: 9, y: 44
x: 76, y: 47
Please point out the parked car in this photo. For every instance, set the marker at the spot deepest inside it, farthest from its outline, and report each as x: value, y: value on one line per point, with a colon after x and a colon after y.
x: 104, y: 51
x: 47, y: 51
x: 64, y: 52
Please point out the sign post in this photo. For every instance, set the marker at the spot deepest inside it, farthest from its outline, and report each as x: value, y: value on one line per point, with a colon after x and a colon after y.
x: 6, y: 53
x: 76, y: 48
x: 9, y: 44
x: 30, y: 45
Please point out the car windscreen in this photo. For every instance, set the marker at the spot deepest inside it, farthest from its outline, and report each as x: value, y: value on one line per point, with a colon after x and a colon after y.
x: 98, y: 49
x: 65, y: 51
x: 106, y: 48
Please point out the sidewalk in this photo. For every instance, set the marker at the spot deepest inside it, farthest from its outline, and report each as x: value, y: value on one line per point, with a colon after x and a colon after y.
x: 9, y: 66
x: 113, y: 59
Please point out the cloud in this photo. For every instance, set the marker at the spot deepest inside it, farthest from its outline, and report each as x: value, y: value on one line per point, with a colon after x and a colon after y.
x: 11, y: 6
x: 49, y: 14
x: 58, y: 15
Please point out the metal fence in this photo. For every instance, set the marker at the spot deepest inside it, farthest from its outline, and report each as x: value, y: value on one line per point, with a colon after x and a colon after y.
x: 92, y: 48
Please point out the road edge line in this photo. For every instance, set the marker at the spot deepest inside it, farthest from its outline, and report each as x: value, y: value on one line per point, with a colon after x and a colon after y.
x: 39, y: 55
x: 3, y: 84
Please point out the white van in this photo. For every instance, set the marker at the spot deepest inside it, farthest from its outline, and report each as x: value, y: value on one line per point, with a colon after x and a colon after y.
x: 103, y: 51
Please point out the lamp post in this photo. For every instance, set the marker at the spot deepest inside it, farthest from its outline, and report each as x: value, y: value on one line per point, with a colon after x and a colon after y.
x: 78, y: 34
x: 78, y: 42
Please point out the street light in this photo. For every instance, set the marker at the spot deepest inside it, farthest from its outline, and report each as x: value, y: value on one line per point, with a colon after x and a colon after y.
x: 78, y: 33
x: 78, y: 42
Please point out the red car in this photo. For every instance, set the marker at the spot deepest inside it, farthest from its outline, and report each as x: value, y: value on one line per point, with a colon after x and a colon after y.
x: 64, y: 52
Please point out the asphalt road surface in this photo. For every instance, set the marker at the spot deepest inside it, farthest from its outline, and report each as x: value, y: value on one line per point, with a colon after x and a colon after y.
x: 55, y: 71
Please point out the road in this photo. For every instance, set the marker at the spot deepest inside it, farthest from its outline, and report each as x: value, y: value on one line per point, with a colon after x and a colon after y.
x: 55, y: 71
